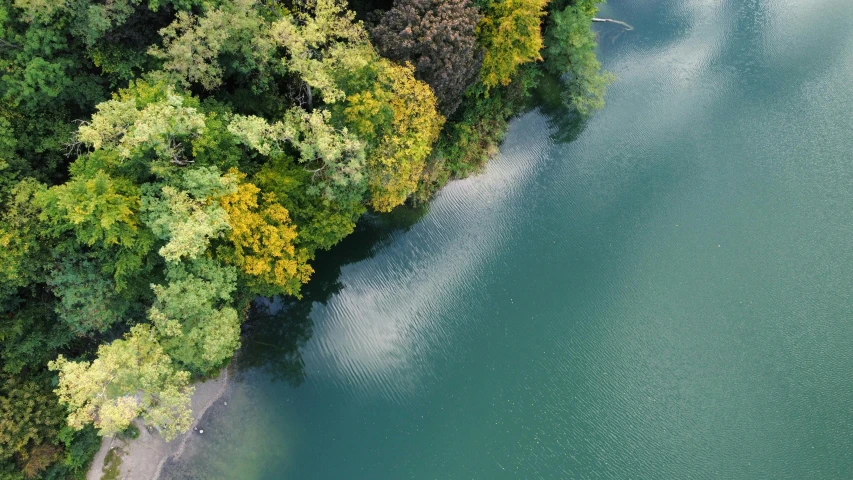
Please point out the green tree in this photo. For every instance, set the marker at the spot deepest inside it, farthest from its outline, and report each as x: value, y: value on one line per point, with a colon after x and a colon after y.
x: 193, y: 44
x: 129, y: 378
x: 21, y: 250
x: 193, y: 316
x: 145, y: 118
x: 570, y: 51
x: 188, y: 219
x: 241, y: 138
x: 30, y: 421
x: 319, y: 39
x: 334, y: 157
x: 321, y: 222
x: 100, y: 212
x: 30, y: 335
x: 88, y: 300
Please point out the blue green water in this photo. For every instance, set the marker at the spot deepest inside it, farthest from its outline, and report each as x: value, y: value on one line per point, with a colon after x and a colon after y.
x: 664, y: 293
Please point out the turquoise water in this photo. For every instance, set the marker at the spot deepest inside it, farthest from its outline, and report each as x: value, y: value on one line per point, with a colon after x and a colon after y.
x: 663, y: 293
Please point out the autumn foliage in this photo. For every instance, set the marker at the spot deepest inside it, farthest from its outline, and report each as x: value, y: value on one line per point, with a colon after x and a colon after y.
x: 164, y: 163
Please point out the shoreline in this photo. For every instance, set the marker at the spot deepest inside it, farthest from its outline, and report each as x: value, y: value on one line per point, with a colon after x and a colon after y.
x: 143, y: 458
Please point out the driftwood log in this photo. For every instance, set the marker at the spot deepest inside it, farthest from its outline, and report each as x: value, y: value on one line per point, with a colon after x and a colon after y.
x: 610, y: 20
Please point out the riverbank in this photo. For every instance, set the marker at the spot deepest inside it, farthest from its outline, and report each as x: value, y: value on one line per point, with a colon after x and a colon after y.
x: 143, y: 458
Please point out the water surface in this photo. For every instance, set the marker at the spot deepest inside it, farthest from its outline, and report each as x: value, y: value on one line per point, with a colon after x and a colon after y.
x: 662, y: 294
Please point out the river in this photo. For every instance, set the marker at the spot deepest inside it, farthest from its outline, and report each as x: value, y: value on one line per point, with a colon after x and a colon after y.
x: 661, y: 293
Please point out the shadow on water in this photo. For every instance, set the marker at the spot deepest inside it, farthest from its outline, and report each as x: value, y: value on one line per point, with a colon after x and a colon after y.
x: 278, y: 328
x: 565, y: 122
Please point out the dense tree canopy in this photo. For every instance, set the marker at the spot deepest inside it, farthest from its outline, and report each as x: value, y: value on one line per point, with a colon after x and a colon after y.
x: 30, y: 419
x: 130, y: 377
x: 198, y: 326
x: 398, y: 118
x: 261, y: 241
x: 570, y: 51
x: 511, y: 36
x: 165, y: 162
x: 439, y: 38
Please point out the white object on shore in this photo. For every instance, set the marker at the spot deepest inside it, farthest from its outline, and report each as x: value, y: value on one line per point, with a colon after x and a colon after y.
x: 201, y: 431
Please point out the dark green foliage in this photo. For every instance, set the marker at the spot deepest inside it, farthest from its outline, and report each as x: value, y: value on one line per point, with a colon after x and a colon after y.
x: 477, y: 130
x: 80, y: 447
x: 34, y: 440
x: 570, y: 51
x: 30, y: 332
x: 130, y: 433
x: 88, y: 300
x: 322, y: 223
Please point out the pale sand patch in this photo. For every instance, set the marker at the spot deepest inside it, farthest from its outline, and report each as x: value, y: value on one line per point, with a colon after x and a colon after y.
x: 145, y: 456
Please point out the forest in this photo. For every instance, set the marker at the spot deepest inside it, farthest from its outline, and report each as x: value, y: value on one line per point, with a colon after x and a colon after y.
x: 163, y: 163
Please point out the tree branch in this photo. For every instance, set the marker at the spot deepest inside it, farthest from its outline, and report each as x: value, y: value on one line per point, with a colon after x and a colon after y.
x: 610, y: 20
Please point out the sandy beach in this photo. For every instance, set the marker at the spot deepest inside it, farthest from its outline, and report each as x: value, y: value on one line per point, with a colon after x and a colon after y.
x: 143, y: 458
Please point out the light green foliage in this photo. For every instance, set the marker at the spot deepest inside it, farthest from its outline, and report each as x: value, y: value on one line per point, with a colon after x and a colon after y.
x: 145, y: 118
x: 207, y: 182
x: 192, y: 45
x: 321, y: 40
x: 258, y: 134
x: 88, y: 298
x: 129, y: 378
x: 188, y: 219
x: 334, y: 157
x: 194, y: 320
x: 570, y: 50
x: 99, y: 213
x: 99, y: 210
x: 511, y: 36
x: 40, y: 9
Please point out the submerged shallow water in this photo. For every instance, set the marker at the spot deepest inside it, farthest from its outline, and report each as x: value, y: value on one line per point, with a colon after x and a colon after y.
x: 664, y: 293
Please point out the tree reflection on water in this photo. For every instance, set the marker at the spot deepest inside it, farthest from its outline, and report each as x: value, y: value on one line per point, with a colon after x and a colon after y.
x: 278, y: 328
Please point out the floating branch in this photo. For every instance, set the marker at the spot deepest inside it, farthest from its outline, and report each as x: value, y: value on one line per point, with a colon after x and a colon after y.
x: 610, y: 20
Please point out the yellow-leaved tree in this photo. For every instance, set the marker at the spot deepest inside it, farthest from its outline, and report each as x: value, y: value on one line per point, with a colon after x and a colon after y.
x: 402, y: 145
x: 511, y: 35
x: 260, y: 241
